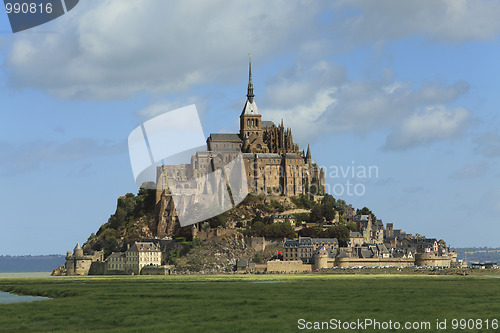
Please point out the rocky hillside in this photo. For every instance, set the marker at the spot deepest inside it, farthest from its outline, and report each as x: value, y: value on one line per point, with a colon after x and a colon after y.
x: 134, y: 219
x: 220, y: 255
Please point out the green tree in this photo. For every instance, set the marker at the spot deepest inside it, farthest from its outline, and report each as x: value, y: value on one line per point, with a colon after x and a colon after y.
x: 118, y: 218
x: 352, y: 226
x: 111, y: 245
x: 303, y: 202
x: 217, y: 221
x: 317, y: 214
x: 328, y: 204
x: 286, y: 230
x: 257, y: 258
x: 341, y: 206
x: 257, y: 229
x: 308, y: 232
x: 366, y: 211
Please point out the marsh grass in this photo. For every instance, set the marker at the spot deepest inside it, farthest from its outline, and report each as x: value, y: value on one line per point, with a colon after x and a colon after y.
x: 267, y: 303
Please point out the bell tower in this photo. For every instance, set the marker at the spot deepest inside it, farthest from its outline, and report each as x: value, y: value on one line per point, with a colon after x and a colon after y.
x: 250, y: 118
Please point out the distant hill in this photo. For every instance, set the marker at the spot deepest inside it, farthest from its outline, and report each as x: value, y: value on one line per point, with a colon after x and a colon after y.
x: 478, y: 254
x: 18, y: 264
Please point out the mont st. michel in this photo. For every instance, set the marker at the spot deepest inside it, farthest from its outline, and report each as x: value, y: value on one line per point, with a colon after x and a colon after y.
x: 287, y: 223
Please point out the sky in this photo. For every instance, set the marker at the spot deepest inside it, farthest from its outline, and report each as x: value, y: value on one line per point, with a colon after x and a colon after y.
x: 405, y: 90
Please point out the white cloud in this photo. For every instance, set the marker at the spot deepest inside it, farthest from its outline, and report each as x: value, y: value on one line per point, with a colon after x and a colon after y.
x: 114, y: 48
x: 433, y: 124
x: 321, y: 99
x: 362, y: 21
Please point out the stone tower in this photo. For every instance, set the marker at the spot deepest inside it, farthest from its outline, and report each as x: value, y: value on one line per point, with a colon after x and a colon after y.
x: 78, y: 251
x: 250, y: 118
x: 308, y: 156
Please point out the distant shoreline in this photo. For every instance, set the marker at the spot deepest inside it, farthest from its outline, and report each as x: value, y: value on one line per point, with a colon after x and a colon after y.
x: 21, y: 275
x: 30, y: 264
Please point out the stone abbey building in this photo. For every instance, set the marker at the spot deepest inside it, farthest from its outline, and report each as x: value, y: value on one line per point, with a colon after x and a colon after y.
x: 273, y: 163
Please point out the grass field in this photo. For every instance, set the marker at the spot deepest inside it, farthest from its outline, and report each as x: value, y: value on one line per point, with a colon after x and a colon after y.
x: 263, y: 303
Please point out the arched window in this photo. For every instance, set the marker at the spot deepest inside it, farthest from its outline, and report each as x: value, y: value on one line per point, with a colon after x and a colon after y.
x: 252, y: 123
x: 256, y: 122
x: 248, y: 122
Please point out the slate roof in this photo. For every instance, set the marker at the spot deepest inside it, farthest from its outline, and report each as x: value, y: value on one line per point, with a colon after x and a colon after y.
x: 382, y: 249
x: 261, y: 155
x: 427, y: 240
x: 225, y: 137
x: 308, y: 242
x: 268, y: 155
x: 267, y: 123
x: 250, y: 109
x: 143, y: 247
x: 333, y: 253
x: 365, y: 253
x: 355, y: 234
x: 116, y: 255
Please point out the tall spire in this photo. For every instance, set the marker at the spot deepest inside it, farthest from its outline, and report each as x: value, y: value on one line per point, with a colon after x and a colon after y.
x: 250, y: 94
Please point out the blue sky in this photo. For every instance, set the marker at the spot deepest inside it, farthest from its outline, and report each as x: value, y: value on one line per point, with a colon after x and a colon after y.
x: 407, y: 87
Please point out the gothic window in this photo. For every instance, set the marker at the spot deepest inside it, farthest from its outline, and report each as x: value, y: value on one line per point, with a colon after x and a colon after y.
x: 248, y: 122
x: 252, y: 122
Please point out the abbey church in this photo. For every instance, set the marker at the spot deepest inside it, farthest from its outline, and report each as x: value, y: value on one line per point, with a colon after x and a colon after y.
x: 273, y: 163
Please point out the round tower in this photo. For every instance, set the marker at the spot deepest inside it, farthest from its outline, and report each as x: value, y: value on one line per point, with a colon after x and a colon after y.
x: 78, y: 251
x: 321, y: 258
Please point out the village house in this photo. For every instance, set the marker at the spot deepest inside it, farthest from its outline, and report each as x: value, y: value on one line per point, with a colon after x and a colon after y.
x: 305, y: 247
x: 140, y: 255
x: 116, y: 262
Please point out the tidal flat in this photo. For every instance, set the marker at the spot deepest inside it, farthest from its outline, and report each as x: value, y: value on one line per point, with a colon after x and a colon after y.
x: 233, y: 303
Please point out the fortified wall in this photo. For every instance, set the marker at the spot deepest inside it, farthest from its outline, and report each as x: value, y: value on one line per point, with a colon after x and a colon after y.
x: 374, y: 262
x: 295, y: 266
x: 430, y: 259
